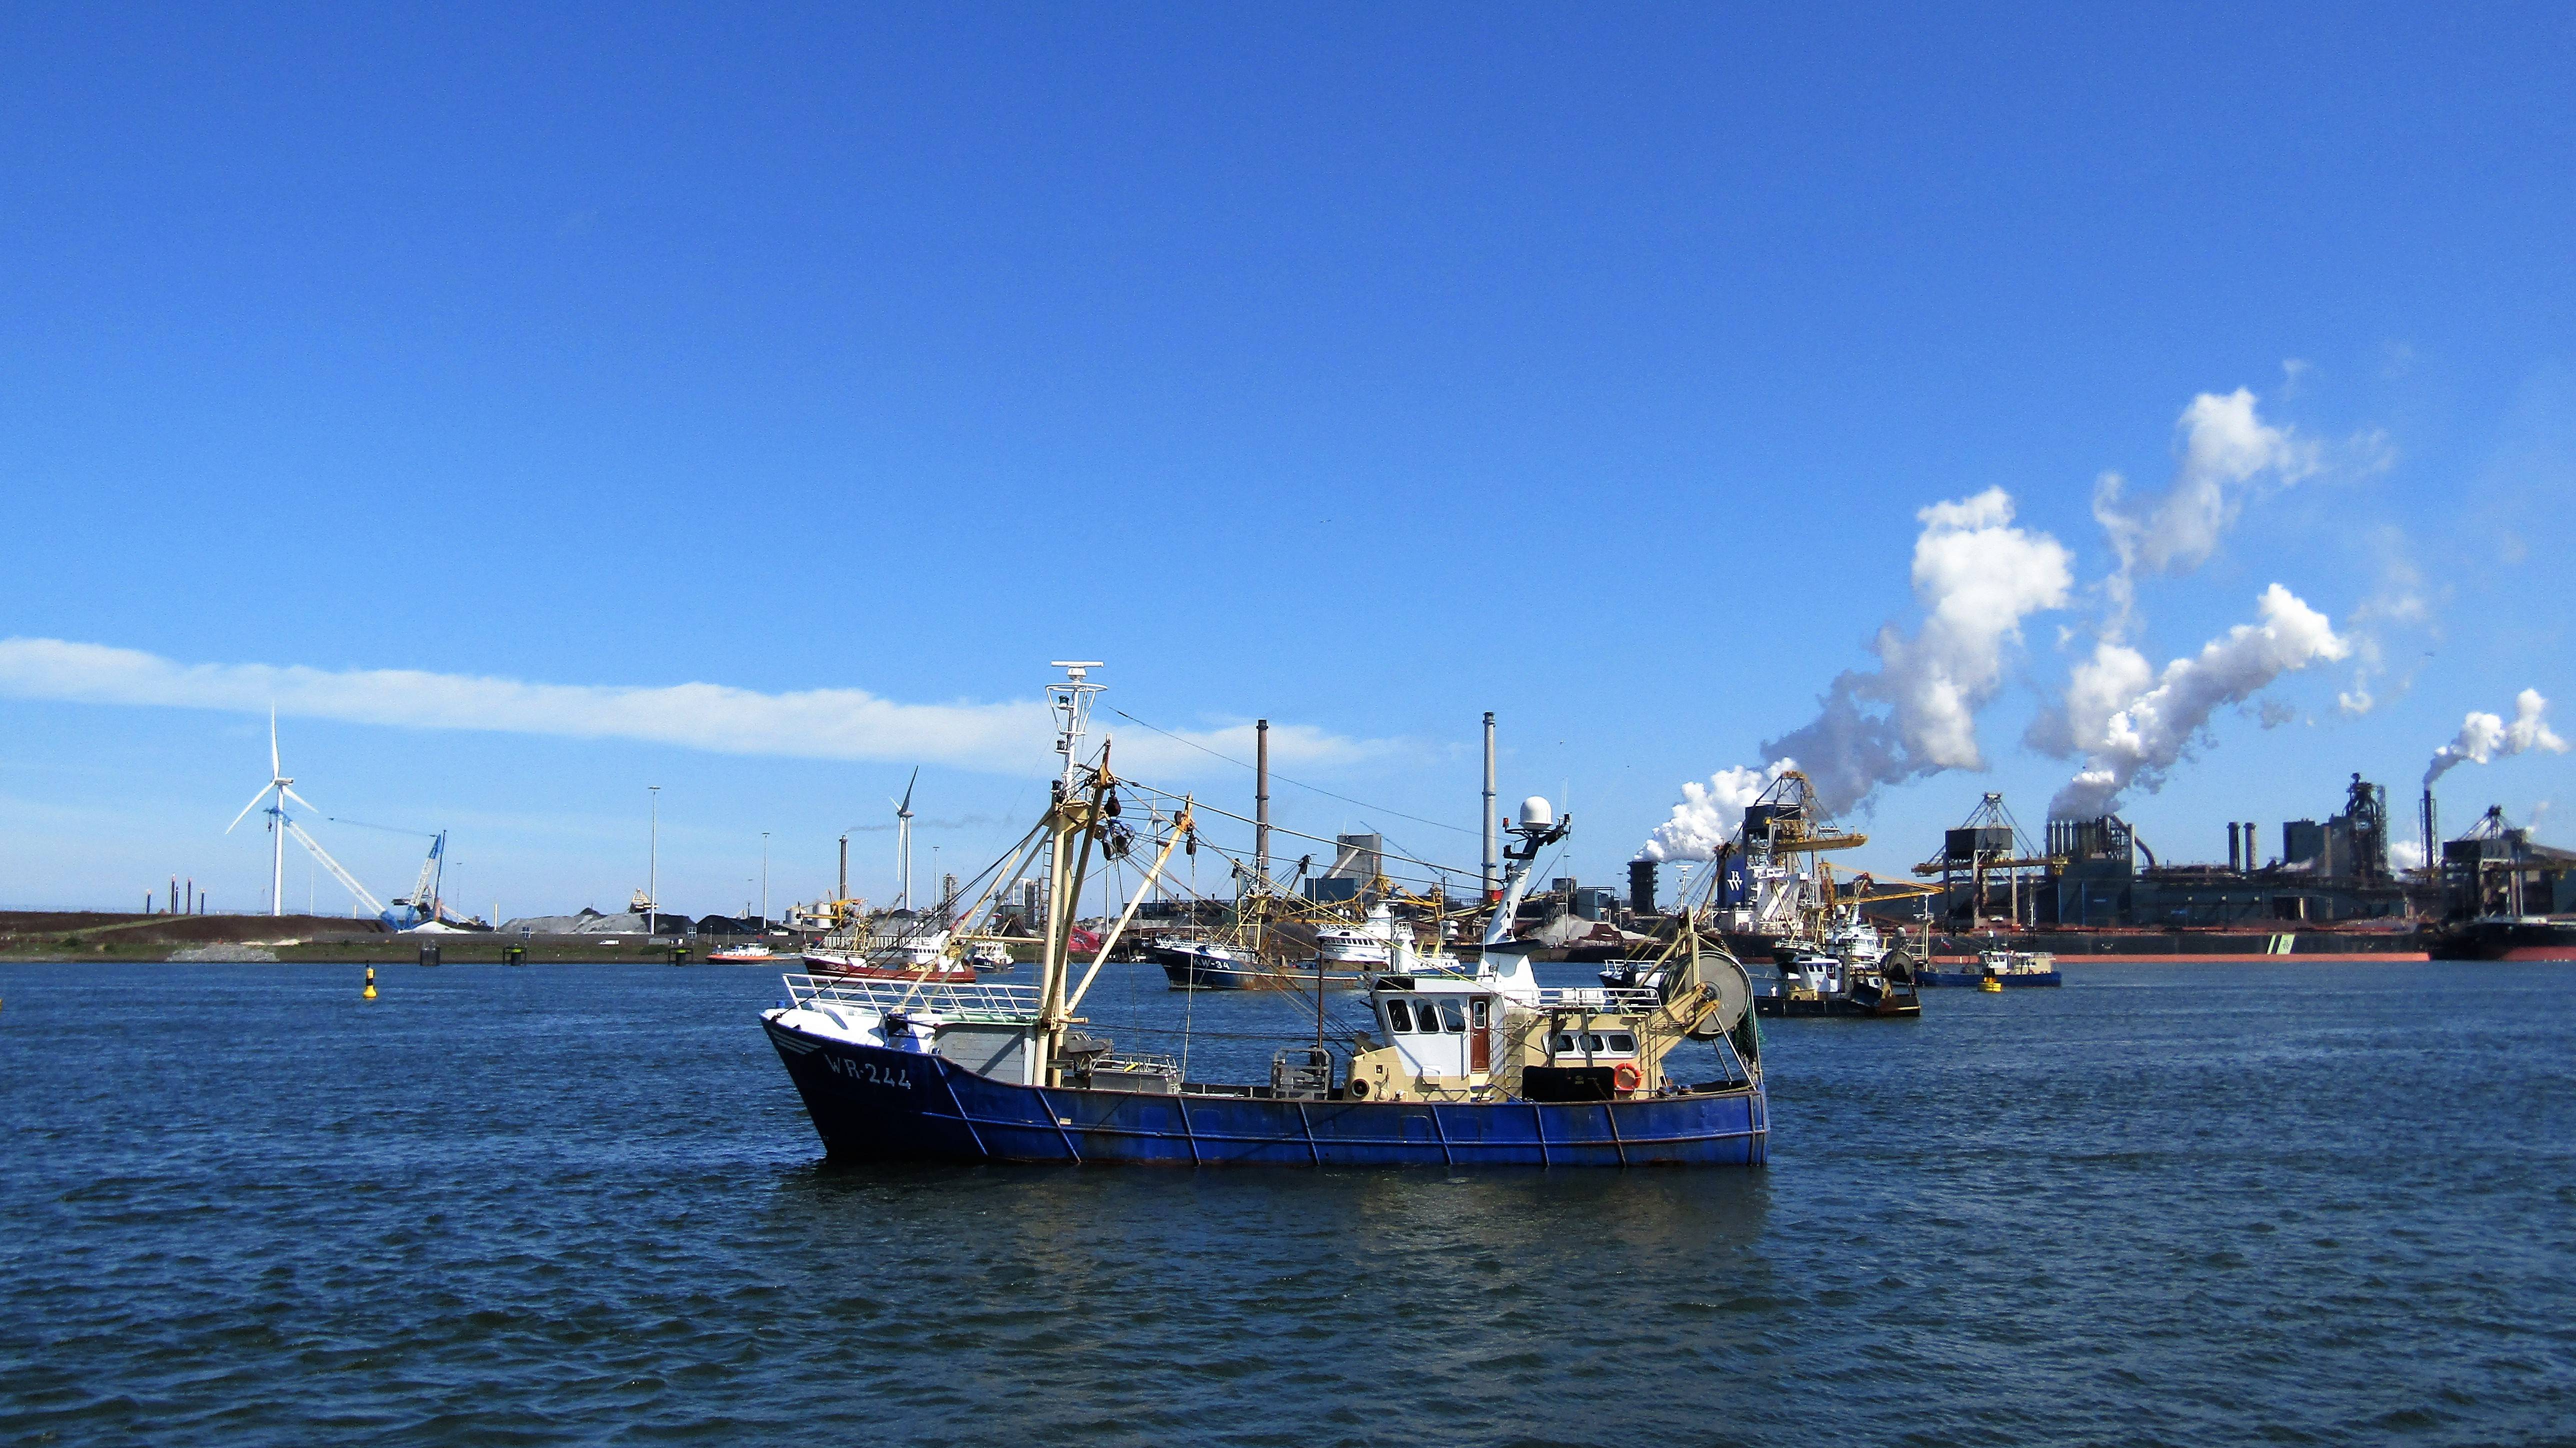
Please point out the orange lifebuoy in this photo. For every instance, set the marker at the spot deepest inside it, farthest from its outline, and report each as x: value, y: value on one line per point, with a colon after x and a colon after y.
x: 1626, y: 1076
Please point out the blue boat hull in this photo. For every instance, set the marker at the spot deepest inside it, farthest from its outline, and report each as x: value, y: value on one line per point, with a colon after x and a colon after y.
x: 870, y: 1102
x: 1970, y: 978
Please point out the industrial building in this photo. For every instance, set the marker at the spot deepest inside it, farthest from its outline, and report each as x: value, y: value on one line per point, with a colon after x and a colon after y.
x: 2100, y: 873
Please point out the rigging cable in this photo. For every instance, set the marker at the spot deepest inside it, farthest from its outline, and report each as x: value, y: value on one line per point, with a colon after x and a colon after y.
x: 1283, y: 779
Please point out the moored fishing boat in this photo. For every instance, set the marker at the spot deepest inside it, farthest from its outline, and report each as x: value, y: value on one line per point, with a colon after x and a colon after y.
x: 1481, y: 1068
x: 1815, y: 983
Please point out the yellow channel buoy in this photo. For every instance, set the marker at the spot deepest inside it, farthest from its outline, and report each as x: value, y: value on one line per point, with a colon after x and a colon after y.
x: 370, y: 992
x: 1990, y: 983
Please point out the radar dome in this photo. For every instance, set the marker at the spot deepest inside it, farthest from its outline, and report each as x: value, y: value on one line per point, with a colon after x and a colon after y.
x: 1535, y: 813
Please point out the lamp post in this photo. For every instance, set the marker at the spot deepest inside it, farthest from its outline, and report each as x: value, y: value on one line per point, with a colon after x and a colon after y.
x: 764, y: 880
x: 653, y: 868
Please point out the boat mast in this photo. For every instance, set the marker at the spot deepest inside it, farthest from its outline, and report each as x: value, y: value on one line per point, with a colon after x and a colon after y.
x: 1070, y: 699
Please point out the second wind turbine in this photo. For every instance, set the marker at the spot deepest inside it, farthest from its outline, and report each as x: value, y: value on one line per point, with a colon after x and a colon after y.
x: 903, y: 841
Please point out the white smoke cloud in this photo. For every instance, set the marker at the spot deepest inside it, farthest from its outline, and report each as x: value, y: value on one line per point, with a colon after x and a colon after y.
x: 1009, y: 737
x: 1711, y: 812
x: 2487, y: 736
x: 2405, y: 855
x: 1977, y: 577
x: 2221, y: 449
x: 2132, y: 724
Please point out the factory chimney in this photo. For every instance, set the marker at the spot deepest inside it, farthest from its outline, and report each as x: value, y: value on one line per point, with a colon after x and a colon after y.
x: 1641, y: 886
x: 2432, y: 835
x: 1261, y: 800
x: 2253, y: 852
x: 2235, y: 856
x: 1492, y: 884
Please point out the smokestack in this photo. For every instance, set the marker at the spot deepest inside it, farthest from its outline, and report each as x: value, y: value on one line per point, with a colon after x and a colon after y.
x: 2235, y: 858
x: 173, y: 899
x: 1492, y: 883
x: 1261, y: 798
x: 2432, y: 835
x: 844, y: 892
x: 2253, y: 854
x: 188, y: 902
x: 1641, y: 886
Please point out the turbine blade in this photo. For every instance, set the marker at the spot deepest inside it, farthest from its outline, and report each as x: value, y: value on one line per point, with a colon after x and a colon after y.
x: 907, y: 789
x: 246, y: 809
x: 274, y: 768
x: 299, y: 799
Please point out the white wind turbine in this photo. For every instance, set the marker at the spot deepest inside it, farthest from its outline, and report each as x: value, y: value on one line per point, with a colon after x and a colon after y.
x: 279, y: 789
x: 903, y: 839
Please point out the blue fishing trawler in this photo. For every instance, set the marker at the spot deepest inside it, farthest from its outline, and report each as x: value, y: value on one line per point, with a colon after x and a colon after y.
x: 1475, y: 1064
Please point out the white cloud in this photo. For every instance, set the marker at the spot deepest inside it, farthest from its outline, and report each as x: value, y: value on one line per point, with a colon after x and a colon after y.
x: 2221, y: 448
x: 1012, y: 737
x: 1710, y: 813
x: 1977, y: 577
x: 2483, y: 737
x: 2132, y: 724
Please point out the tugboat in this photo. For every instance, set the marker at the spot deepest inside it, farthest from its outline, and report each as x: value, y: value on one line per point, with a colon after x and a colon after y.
x: 1481, y: 1069
x: 2003, y: 968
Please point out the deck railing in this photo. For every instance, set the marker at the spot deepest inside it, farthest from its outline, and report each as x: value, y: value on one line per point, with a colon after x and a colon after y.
x: 1602, y: 998
x: 957, y: 1001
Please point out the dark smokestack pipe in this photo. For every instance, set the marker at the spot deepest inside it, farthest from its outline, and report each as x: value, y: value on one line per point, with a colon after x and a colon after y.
x: 2432, y: 835
x: 1261, y: 798
x: 2234, y: 859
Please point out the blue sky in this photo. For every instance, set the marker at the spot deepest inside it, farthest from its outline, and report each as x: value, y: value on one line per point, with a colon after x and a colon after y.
x: 1361, y: 367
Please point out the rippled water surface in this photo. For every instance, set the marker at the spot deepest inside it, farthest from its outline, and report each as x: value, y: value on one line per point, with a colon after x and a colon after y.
x: 2166, y: 1204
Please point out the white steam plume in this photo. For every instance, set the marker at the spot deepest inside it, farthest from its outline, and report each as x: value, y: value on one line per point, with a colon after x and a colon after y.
x: 1977, y: 578
x: 2133, y: 724
x: 1007, y: 737
x: 2221, y: 449
x: 2486, y: 736
x: 1710, y: 812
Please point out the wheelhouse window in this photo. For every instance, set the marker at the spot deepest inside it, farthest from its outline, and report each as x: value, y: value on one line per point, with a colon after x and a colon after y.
x: 1450, y: 1017
x: 1399, y: 1016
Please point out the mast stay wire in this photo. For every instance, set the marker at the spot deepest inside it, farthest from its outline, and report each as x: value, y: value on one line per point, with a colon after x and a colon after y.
x: 1283, y: 779
x: 1437, y: 870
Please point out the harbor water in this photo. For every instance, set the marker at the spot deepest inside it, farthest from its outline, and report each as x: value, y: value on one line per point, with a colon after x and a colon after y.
x: 581, y: 1204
